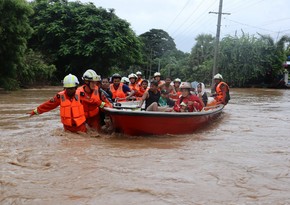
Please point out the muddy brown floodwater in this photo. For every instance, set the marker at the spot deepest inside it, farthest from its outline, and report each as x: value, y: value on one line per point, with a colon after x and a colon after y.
x: 244, y: 158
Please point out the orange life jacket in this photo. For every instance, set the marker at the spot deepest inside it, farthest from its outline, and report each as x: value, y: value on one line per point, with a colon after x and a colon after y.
x: 220, y: 95
x: 139, y: 81
x: 90, y: 109
x: 141, y: 91
x: 134, y: 87
x: 71, y: 112
x: 119, y: 92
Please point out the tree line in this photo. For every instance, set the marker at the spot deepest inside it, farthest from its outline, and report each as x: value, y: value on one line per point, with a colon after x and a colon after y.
x: 43, y: 40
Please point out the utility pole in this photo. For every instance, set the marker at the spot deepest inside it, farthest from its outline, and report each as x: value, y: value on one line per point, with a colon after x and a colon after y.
x: 217, y: 38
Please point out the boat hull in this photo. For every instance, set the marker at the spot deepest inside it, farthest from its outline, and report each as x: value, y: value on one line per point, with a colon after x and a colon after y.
x: 160, y: 123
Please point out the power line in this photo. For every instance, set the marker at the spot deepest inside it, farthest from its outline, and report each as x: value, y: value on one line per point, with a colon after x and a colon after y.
x: 188, y: 18
x: 178, y: 15
x: 195, y: 20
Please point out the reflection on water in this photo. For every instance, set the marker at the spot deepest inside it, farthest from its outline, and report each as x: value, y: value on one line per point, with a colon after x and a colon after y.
x: 244, y: 158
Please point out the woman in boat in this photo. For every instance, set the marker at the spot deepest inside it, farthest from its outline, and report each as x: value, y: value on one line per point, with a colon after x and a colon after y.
x: 200, y: 90
x: 192, y: 102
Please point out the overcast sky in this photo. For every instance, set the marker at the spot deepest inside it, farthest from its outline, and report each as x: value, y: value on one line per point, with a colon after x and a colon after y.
x: 185, y: 19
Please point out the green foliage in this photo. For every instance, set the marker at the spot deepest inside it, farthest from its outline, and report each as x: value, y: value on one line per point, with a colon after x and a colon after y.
x: 156, y: 43
x: 202, y: 50
x: 14, y: 32
x: 247, y: 59
x: 35, y: 70
x: 175, y: 64
x: 79, y: 36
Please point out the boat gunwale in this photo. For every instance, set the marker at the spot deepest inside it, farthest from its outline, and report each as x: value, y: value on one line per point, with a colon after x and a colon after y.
x: 114, y: 111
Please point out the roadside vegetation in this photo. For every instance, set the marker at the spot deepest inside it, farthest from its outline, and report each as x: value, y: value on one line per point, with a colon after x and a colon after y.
x: 43, y: 40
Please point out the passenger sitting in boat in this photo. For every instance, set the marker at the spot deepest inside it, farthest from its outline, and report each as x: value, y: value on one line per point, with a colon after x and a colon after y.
x: 167, y: 86
x: 192, y: 101
x: 165, y: 104
x: 150, y: 96
x: 105, y: 85
x: 200, y: 90
x: 183, y: 107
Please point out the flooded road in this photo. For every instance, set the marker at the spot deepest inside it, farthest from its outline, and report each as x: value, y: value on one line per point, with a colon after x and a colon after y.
x: 244, y: 158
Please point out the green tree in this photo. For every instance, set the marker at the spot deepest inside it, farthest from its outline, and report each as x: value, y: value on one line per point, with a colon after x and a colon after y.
x: 79, y: 36
x: 201, y: 59
x: 274, y: 54
x: 35, y: 69
x: 156, y: 43
x: 175, y: 64
x: 14, y: 32
x: 202, y: 50
x: 250, y: 60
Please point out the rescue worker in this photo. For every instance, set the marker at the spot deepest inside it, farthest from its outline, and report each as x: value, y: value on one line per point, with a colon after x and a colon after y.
x: 157, y: 77
x: 143, y: 88
x: 91, y: 91
x: 125, y: 80
x: 139, y: 77
x: 222, y: 95
x: 120, y: 91
x: 192, y: 102
x: 71, y: 109
x: 176, y: 84
x: 134, y: 87
x: 151, y: 96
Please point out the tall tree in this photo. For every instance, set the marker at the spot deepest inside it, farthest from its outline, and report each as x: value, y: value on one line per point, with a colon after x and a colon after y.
x: 202, y: 50
x: 78, y: 36
x: 250, y: 60
x: 201, y: 59
x: 274, y: 55
x: 14, y: 32
x: 156, y: 43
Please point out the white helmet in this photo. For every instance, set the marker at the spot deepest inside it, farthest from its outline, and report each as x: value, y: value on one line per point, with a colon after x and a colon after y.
x: 91, y: 75
x: 218, y: 77
x: 138, y: 73
x: 185, y: 85
x: 70, y: 81
x: 132, y: 75
x: 177, y: 80
x: 157, y: 74
x: 125, y: 80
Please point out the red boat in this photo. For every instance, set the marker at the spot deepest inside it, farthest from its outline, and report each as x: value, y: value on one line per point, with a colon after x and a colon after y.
x: 137, y: 122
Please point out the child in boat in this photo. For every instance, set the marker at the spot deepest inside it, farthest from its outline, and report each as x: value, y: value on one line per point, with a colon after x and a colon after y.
x: 165, y: 104
x: 183, y: 107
